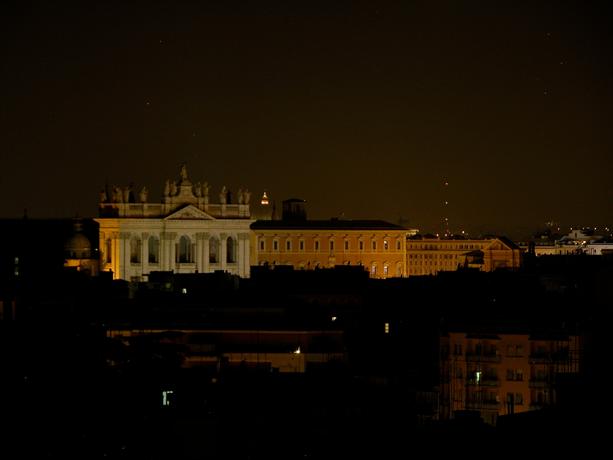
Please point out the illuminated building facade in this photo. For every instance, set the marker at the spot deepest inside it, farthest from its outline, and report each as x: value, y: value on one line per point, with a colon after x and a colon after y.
x: 304, y: 244
x: 186, y: 233
x: 428, y: 256
x: 501, y: 374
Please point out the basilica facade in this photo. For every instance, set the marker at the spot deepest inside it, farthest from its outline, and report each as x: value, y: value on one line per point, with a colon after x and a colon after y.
x: 188, y: 232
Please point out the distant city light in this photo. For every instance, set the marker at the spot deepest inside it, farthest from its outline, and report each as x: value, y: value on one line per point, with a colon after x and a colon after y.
x: 166, y: 396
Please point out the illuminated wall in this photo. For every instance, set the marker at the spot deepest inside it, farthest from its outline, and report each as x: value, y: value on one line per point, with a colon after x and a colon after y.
x: 186, y: 233
x: 428, y: 256
x: 315, y: 244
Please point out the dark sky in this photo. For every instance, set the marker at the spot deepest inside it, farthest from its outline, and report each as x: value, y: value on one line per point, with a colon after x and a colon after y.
x: 364, y: 109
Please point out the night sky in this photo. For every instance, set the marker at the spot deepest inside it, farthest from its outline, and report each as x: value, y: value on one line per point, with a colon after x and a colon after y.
x: 364, y: 109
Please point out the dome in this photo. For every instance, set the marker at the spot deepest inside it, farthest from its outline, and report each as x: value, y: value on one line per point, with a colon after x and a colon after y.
x: 78, y: 247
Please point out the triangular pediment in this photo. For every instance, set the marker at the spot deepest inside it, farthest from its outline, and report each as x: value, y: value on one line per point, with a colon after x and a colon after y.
x: 497, y: 245
x: 189, y: 212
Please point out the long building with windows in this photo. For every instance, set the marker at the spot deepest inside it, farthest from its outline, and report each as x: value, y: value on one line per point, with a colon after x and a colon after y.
x: 378, y: 246
x: 428, y: 256
x: 186, y: 233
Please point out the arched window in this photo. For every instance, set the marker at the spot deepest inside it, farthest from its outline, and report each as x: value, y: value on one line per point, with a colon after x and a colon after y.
x: 213, y: 251
x: 386, y: 269
x: 154, y: 250
x: 230, y: 250
x: 108, y: 251
x: 135, y: 246
x: 399, y: 269
x: 185, y: 250
x: 373, y: 269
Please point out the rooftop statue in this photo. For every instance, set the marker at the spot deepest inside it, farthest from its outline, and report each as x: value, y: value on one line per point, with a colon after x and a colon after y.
x: 143, y: 194
x: 183, y: 172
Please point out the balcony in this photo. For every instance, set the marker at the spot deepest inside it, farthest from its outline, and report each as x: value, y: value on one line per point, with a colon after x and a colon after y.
x: 485, y: 381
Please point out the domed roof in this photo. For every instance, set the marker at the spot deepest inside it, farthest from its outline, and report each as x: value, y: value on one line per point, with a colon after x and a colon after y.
x: 78, y: 247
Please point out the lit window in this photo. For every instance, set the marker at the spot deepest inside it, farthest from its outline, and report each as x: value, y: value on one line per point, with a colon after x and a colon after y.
x: 154, y: 250
x: 385, y: 270
x: 184, y: 252
x: 184, y: 291
x: 167, y: 398
x: 135, y: 250
x: 387, y: 328
x: 385, y: 245
x: 213, y: 250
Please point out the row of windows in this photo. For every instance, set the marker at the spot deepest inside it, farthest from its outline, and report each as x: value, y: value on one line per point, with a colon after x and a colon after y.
x: 184, y: 250
x: 374, y: 268
x: 331, y: 245
x: 427, y: 247
x: 513, y: 351
x: 513, y: 399
x: 433, y: 256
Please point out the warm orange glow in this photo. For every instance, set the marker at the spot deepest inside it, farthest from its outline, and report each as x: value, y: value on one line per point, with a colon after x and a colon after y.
x: 264, y: 199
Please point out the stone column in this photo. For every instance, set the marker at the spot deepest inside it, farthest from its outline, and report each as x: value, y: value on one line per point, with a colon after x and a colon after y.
x: 205, y: 252
x: 124, y: 260
x: 144, y: 259
x: 198, y: 252
x: 167, y: 250
x: 243, y: 255
x: 223, y: 248
x: 115, y: 255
